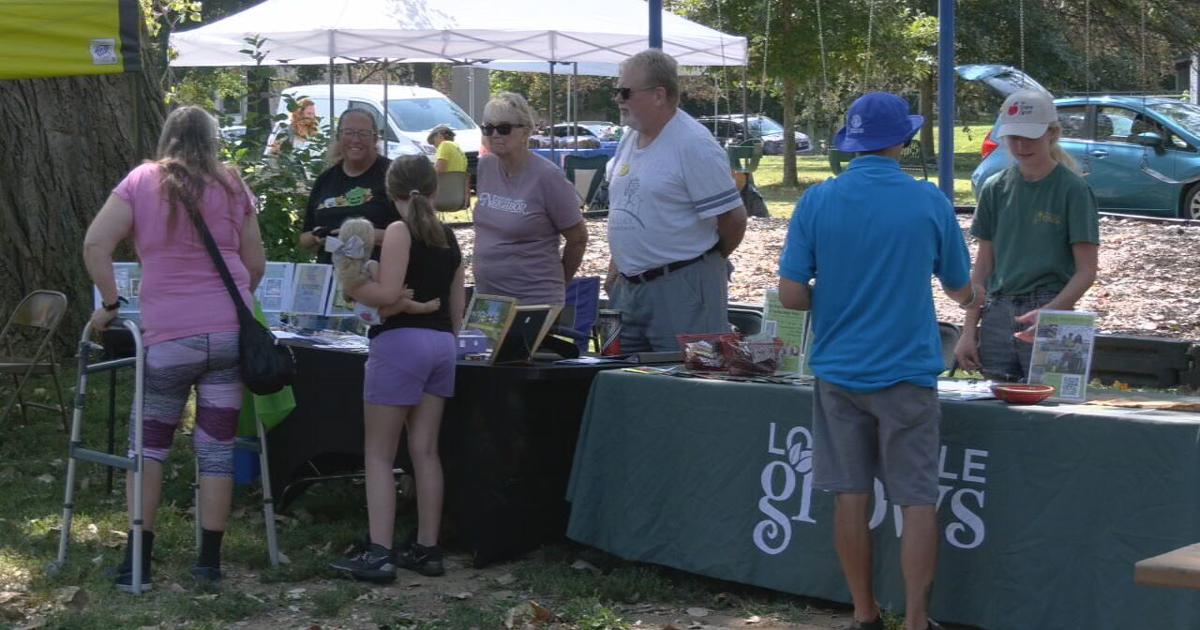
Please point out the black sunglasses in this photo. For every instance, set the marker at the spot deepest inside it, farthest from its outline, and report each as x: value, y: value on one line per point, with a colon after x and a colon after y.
x: 503, y: 129
x: 625, y: 93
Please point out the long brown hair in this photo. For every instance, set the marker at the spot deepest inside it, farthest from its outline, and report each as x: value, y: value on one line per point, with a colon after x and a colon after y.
x: 411, y: 178
x: 187, y: 153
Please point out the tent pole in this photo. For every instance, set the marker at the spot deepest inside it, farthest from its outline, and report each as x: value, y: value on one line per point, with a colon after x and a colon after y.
x: 575, y: 102
x: 332, y: 105
x: 553, y: 154
x: 387, y: 113
x: 745, y: 107
x: 946, y: 98
x: 656, y: 24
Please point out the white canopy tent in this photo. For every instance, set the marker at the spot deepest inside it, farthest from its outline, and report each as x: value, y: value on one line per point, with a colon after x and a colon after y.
x: 311, y: 32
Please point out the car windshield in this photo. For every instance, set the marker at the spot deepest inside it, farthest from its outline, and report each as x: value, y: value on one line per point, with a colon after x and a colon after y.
x: 765, y: 126
x: 423, y: 114
x: 1185, y: 115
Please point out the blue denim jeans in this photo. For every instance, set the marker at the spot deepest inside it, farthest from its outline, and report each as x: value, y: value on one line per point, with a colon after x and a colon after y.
x: 1003, y: 356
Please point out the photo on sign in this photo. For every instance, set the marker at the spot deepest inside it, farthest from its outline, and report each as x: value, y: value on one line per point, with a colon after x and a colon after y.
x: 275, y: 288
x: 1062, y: 353
x: 490, y: 315
x: 310, y: 288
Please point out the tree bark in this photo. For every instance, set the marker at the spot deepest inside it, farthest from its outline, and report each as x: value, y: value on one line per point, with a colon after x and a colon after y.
x: 64, y: 144
x: 789, y: 133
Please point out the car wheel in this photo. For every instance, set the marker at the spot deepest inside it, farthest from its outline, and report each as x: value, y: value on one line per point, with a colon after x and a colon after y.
x: 1190, y: 208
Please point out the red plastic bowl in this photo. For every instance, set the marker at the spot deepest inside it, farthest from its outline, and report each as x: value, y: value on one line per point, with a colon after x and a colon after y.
x: 1021, y: 394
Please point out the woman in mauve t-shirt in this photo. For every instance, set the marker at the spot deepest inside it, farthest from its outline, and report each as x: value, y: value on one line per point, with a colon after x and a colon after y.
x: 189, y: 322
x: 525, y: 206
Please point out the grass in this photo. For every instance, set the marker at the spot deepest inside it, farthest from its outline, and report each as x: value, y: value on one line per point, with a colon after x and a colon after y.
x: 814, y: 169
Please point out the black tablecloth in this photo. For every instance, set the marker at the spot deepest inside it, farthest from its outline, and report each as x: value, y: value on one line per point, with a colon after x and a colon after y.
x: 507, y: 442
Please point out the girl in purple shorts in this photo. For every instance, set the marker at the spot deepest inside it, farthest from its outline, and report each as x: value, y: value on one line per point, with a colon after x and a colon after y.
x: 410, y: 370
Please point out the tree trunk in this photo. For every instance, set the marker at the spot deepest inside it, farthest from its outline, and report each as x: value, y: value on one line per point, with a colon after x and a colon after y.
x: 926, y: 107
x: 789, y: 133
x: 64, y: 144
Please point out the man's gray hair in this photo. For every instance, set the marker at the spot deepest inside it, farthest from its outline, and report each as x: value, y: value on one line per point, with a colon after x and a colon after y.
x: 659, y: 70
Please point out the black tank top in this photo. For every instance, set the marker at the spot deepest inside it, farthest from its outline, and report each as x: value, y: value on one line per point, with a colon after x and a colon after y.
x: 430, y: 273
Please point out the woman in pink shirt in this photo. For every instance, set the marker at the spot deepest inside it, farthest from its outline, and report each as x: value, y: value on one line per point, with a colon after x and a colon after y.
x: 190, y: 326
x: 526, y: 208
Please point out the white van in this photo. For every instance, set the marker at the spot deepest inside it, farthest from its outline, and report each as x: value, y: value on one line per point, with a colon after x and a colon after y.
x: 413, y: 111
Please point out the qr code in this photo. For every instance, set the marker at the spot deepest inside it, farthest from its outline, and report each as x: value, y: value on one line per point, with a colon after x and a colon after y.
x: 1071, y: 386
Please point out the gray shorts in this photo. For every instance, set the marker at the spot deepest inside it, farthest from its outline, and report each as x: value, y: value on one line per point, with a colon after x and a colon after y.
x: 891, y: 434
x: 693, y: 299
x: 1003, y: 356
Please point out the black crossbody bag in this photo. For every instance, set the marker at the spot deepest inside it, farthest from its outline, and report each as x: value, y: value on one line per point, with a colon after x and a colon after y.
x: 267, y: 365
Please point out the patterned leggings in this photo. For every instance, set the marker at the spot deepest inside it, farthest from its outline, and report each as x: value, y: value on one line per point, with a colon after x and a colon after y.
x: 210, y: 363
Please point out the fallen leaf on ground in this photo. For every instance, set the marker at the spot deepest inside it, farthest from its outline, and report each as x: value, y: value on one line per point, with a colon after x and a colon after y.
x: 46, y: 478
x: 462, y: 595
x: 697, y: 612
x: 753, y: 619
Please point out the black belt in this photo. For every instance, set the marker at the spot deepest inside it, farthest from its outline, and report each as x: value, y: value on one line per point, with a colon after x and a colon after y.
x: 658, y: 272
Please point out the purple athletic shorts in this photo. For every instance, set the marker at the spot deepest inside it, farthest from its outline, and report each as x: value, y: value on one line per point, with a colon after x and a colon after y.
x: 406, y: 363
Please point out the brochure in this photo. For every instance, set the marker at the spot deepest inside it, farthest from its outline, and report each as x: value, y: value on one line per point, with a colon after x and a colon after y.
x: 310, y: 288
x: 275, y: 289
x: 789, y: 327
x: 1062, y: 353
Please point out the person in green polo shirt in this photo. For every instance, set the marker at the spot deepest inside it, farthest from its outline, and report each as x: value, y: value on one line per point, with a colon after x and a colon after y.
x: 1039, y: 234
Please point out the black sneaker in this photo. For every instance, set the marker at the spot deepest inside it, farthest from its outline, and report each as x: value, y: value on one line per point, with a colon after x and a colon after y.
x: 376, y: 564
x: 422, y: 559
x: 211, y: 575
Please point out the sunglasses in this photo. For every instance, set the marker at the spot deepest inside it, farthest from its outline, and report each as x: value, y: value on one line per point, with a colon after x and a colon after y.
x: 503, y: 129
x: 625, y: 93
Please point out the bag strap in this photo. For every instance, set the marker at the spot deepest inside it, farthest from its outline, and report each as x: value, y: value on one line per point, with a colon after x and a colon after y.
x: 211, y: 245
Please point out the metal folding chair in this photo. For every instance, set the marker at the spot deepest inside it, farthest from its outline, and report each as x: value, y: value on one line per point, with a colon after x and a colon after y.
x: 26, y: 342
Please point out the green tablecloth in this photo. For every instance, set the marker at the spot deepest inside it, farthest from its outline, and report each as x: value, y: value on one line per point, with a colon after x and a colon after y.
x: 1044, y: 510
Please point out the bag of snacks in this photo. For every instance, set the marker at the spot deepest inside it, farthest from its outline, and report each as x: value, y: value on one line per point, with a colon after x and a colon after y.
x: 752, y: 358
x: 704, y: 352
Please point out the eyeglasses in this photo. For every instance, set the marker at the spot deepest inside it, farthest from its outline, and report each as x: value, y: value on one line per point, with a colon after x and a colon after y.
x: 625, y: 93
x: 361, y: 134
x: 503, y: 128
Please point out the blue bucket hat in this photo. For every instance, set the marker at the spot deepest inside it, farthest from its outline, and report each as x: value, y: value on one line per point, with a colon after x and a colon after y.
x: 877, y: 121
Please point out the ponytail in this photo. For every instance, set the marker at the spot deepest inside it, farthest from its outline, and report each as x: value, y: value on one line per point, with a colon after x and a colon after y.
x: 422, y: 221
x: 412, y: 179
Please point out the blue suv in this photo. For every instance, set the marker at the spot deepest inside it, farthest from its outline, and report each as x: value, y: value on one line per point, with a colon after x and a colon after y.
x: 1140, y: 154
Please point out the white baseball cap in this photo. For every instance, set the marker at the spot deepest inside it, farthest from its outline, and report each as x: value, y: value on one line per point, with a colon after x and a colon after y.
x: 1026, y: 113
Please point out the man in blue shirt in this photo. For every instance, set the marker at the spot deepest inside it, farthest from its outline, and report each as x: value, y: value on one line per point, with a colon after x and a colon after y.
x: 860, y: 252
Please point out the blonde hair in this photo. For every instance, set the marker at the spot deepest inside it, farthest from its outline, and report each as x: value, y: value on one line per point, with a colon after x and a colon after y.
x: 659, y: 70
x: 512, y: 103
x: 411, y: 178
x: 1056, y: 151
x: 353, y: 272
x: 187, y: 152
x: 335, y: 147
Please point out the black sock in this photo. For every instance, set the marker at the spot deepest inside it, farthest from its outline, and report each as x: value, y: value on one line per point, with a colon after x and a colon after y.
x: 210, y: 548
x: 147, y: 550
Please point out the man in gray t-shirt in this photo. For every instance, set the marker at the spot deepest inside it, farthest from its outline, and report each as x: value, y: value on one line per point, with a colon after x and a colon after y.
x: 675, y: 214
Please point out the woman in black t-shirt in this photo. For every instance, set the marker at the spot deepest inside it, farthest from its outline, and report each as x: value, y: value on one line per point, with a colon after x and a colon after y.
x: 352, y: 187
x: 410, y: 371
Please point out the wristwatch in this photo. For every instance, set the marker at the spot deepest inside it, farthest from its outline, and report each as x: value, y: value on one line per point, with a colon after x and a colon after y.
x: 116, y: 304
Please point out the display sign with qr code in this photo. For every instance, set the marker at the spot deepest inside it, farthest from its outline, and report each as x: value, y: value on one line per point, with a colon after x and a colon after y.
x: 1062, y: 353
